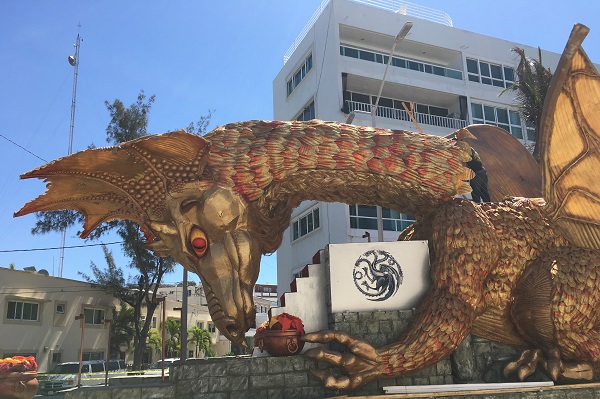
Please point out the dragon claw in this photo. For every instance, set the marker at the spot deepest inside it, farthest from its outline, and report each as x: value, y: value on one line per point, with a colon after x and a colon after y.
x: 359, y: 363
x: 552, y: 363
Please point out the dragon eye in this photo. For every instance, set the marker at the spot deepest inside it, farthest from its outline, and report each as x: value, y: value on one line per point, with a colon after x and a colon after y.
x: 198, y: 241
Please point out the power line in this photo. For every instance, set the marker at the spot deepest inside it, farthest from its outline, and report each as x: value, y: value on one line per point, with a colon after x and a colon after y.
x: 23, y: 148
x: 52, y: 248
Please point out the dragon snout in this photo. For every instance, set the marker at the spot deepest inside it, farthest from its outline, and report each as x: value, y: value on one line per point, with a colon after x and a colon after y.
x: 232, y: 322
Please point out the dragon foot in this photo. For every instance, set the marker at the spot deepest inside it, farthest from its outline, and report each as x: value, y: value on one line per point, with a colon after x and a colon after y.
x: 359, y: 364
x: 530, y: 359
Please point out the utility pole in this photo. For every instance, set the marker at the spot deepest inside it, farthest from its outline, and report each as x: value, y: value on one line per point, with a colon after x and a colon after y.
x: 184, y: 316
x: 74, y: 62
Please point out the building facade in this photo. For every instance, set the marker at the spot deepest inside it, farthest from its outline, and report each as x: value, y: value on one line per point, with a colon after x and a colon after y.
x: 448, y: 77
x: 38, y: 318
x: 197, y: 316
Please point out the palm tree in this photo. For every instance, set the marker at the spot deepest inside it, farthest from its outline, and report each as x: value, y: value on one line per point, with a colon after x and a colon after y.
x: 154, y: 339
x: 123, y: 329
x: 172, y: 344
x: 530, y: 87
x: 203, y: 341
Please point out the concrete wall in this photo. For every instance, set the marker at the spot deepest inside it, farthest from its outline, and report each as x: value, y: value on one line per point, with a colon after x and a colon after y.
x: 290, y: 377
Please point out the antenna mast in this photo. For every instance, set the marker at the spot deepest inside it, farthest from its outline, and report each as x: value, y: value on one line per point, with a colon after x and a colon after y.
x: 74, y: 62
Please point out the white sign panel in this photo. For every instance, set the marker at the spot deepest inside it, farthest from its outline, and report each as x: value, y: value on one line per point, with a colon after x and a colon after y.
x: 378, y: 276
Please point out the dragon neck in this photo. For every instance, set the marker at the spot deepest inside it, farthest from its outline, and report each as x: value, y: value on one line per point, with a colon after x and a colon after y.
x: 294, y: 161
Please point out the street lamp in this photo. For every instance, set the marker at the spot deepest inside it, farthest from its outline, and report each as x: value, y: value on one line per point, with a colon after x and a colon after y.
x: 81, y: 318
x: 109, y: 321
x: 401, y: 35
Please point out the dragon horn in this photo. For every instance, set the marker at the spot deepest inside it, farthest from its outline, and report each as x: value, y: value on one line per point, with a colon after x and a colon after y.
x: 129, y: 181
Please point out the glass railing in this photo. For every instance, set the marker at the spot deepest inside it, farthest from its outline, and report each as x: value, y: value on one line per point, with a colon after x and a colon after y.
x: 399, y: 62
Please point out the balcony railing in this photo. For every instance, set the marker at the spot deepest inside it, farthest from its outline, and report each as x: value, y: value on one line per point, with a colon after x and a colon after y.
x: 395, y: 6
x: 400, y: 114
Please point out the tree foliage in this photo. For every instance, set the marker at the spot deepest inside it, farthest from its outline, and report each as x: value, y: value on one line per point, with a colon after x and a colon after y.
x: 123, y: 330
x: 201, y: 126
x: 202, y: 341
x: 128, y: 123
x: 173, y: 343
x: 154, y: 340
x: 530, y: 88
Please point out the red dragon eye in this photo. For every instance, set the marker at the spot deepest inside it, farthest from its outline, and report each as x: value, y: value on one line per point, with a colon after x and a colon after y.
x: 198, y: 241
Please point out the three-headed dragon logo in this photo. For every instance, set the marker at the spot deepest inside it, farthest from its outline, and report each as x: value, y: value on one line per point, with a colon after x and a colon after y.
x: 377, y: 275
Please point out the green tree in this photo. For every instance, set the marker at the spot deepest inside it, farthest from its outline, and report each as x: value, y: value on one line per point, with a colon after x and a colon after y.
x: 126, y: 123
x: 173, y: 343
x: 136, y: 291
x: 202, y: 340
x: 154, y: 340
x: 123, y: 330
x: 202, y: 125
x: 530, y: 88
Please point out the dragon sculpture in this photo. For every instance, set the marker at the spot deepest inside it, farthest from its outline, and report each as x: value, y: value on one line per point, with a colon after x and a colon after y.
x: 524, y: 272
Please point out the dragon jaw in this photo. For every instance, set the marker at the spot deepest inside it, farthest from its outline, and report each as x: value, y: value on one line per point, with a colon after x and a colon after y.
x: 208, y: 235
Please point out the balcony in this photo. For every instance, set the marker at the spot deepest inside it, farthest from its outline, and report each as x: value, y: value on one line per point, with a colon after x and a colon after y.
x: 402, y: 115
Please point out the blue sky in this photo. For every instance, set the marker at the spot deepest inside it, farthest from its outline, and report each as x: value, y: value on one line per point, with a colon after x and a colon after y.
x: 194, y: 56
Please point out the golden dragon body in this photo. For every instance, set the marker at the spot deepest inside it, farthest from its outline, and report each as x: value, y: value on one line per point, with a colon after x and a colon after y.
x: 518, y: 271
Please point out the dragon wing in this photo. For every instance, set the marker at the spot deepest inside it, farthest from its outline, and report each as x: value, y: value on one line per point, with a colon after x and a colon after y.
x: 570, y: 145
x: 129, y: 181
x: 512, y: 171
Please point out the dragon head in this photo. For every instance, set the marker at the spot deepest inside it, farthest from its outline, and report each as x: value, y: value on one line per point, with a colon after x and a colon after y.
x: 208, y: 235
x: 160, y: 183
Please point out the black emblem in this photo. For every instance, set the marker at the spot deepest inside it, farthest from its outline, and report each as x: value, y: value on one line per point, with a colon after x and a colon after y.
x: 377, y: 275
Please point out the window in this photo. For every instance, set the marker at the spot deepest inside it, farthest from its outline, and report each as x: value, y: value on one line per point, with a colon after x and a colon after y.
x: 398, y: 62
x: 307, y: 113
x: 504, y: 118
x: 299, y: 75
x: 154, y: 322
x: 200, y: 324
x: 211, y: 327
x: 56, y: 357
x: 93, y: 316
x: 305, y: 224
x: 490, y: 74
x: 97, y: 367
x: 365, y: 217
x: 60, y: 308
x: 530, y: 127
x: 20, y: 310
x: 93, y: 356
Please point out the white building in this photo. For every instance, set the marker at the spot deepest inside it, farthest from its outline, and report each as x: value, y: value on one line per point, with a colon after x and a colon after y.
x: 38, y: 318
x: 452, y: 76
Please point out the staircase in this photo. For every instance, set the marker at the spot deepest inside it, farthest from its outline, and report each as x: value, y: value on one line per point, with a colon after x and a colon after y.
x: 308, y: 296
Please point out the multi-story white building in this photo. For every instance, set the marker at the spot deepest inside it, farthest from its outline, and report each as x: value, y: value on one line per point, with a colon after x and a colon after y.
x: 38, y: 318
x: 452, y: 78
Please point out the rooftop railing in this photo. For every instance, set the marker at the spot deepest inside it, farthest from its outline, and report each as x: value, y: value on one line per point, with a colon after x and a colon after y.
x: 395, y: 6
